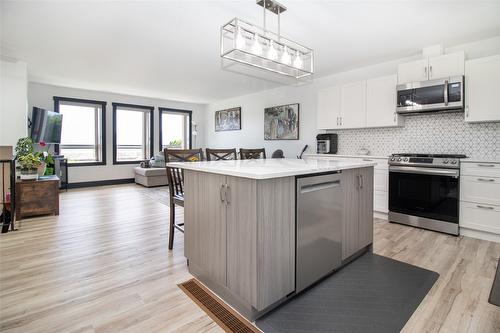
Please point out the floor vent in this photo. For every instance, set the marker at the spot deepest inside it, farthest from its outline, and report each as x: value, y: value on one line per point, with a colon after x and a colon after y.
x: 220, y: 312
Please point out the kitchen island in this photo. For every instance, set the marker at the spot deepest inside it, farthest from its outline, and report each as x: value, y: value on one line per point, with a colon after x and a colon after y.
x: 256, y: 229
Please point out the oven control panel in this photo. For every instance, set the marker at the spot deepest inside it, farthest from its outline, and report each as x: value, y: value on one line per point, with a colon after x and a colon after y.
x: 428, y: 161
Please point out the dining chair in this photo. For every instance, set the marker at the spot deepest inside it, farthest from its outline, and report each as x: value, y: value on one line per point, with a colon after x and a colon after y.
x: 221, y: 154
x: 175, y: 178
x: 252, y: 154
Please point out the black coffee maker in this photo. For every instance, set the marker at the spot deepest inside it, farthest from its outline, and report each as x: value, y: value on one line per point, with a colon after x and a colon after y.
x: 326, y: 143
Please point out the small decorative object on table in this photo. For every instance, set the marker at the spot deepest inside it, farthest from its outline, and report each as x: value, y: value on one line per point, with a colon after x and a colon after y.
x: 281, y: 122
x: 32, y: 164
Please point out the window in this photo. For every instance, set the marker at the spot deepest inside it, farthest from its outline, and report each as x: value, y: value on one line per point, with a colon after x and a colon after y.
x: 132, y: 133
x: 83, y: 135
x: 175, y: 129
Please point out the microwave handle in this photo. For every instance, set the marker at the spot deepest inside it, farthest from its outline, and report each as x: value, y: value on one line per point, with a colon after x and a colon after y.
x: 445, y: 92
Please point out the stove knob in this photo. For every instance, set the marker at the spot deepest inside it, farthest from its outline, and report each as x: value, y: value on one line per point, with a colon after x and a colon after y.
x: 393, y: 158
x: 399, y: 159
x: 445, y: 161
x: 406, y: 159
x: 454, y: 162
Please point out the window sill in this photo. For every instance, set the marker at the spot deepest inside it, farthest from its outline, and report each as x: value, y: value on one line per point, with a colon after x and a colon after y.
x: 128, y: 162
x: 86, y: 164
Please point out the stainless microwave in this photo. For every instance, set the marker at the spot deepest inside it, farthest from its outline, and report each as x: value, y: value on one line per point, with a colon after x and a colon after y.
x: 444, y: 95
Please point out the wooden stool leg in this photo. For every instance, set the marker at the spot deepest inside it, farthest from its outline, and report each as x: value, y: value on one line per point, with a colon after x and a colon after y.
x: 171, y: 229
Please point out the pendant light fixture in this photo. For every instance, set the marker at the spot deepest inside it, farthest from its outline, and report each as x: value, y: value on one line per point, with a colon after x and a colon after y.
x: 256, y: 46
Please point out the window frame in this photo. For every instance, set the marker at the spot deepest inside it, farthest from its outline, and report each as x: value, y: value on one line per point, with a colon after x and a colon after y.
x: 58, y: 100
x: 151, y: 125
x: 170, y: 110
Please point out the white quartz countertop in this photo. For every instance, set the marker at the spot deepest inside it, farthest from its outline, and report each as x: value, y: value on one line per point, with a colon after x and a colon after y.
x: 479, y: 160
x: 271, y: 168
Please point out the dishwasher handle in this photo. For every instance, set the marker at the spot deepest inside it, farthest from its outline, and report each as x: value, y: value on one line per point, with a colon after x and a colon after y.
x: 318, y: 187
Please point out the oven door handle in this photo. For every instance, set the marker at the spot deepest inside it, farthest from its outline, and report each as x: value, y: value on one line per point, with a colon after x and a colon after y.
x: 425, y: 171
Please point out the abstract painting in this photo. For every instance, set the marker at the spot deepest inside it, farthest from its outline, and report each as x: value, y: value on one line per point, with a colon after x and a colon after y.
x: 281, y: 122
x: 228, y: 120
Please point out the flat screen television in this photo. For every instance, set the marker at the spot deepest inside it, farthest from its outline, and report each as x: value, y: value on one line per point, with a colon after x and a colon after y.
x: 46, y: 126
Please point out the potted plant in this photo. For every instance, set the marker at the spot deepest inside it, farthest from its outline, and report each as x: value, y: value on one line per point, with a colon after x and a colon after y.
x: 29, y: 166
x: 45, y: 158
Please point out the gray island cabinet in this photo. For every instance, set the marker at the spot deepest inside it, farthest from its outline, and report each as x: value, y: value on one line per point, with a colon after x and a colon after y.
x: 240, y: 225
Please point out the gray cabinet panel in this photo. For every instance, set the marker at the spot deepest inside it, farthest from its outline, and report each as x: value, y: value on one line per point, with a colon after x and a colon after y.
x: 205, y: 224
x: 350, y: 183
x: 275, y: 239
x: 242, y: 238
x: 366, y: 207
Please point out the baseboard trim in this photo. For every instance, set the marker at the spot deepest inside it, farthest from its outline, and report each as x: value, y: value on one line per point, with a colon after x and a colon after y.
x: 479, y: 234
x: 380, y: 215
x: 101, y: 183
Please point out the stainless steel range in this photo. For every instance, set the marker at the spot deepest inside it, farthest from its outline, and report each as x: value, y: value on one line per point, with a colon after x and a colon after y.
x: 424, y: 191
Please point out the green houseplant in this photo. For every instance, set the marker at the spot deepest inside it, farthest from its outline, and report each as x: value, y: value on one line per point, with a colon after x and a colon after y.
x: 29, y: 166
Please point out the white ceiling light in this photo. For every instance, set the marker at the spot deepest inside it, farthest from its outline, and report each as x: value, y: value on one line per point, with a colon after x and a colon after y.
x: 252, y: 45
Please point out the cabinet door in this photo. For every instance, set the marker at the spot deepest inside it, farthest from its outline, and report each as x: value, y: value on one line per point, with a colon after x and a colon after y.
x: 242, y: 238
x: 350, y: 228
x: 482, y: 85
x: 381, y: 102
x: 365, y: 208
x: 328, y: 115
x: 353, y: 105
x: 413, y: 71
x: 205, y: 224
x: 446, y: 65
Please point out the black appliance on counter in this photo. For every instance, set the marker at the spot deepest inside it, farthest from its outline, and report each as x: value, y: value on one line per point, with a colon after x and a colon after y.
x: 326, y: 143
x: 424, y: 191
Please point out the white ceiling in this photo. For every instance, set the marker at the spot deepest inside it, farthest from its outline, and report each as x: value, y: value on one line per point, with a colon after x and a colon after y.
x: 169, y: 49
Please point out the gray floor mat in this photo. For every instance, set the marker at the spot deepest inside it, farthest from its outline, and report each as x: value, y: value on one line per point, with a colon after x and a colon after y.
x: 495, y: 288
x: 372, y: 294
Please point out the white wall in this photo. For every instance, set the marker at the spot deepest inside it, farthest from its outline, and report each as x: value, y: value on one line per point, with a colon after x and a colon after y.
x: 13, y: 101
x: 252, y: 106
x: 41, y: 95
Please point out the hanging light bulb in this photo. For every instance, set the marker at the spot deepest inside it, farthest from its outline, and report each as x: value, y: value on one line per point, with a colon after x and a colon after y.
x: 256, y: 47
x: 298, y: 63
x: 285, y: 57
x: 272, y: 54
x: 240, y: 40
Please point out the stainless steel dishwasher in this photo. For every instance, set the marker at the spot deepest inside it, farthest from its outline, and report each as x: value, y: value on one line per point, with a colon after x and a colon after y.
x: 319, y: 227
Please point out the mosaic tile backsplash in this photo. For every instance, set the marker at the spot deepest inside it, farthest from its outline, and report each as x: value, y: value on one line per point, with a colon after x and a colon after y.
x: 432, y: 133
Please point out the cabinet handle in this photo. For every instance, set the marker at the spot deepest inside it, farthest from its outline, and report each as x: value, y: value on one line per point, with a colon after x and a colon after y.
x: 362, y: 181
x: 430, y: 71
x: 395, y: 114
x: 222, y: 192
x: 486, y: 179
x: 467, y: 111
x: 425, y: 72
x: 484, y: 207
x: 228, y: 195
x: 486, y: 165
x: 340, y: 121
x: 337, y: 121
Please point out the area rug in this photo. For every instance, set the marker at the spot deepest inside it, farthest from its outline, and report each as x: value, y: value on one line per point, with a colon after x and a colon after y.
x: 371, y: 294
x: 495, y: 288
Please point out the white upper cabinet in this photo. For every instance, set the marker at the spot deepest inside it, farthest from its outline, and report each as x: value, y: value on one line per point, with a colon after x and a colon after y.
x: 446, y: 65
x: 328, y: 115
x: 432, y: 68
x: 353, y: 105
x: 482, y: 85
x: 413, y: 71
x: 381, y: 102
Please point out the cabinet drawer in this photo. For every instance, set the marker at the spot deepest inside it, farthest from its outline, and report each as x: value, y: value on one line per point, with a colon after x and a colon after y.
x: 484, y: 169
x: 480, y: 189
x: 480, y: 217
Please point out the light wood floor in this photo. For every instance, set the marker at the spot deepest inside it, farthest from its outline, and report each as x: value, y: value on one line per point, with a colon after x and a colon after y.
x: 103, y: 266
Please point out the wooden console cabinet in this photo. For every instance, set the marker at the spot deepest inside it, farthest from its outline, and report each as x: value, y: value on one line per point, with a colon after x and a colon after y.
x: 38, y: 197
